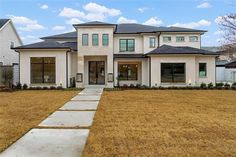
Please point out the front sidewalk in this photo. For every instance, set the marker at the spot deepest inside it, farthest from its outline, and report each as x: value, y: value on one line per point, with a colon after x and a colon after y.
x: 63, y: 133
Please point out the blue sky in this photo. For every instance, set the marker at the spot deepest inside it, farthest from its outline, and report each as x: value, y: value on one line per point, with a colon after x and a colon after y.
x: 38, y: 18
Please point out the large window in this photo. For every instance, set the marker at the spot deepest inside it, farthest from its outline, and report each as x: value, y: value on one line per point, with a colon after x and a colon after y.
x: 172, y: 72
x: 128, y: 71
x: 202, y: 69
x: 193, y: 38
x: 180, y: 39
x: 95, y: 39
x: 85, y: 39
x: 42, y: 69
x: 126, y: 45
x: 152, y: 42
x: 105, y: 39
x: 166, y: 39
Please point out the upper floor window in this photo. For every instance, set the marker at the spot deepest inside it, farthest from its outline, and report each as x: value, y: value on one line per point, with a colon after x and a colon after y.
x: 166, y: 39
x: 95, y: 39
x: 105, y: 39
x: 152, y: 42
x: 202, y: 69
x: 180, y: 39
x: 126, y: 45
x: 85, y: 39
x: 193, y: 38
x: 12, y: 44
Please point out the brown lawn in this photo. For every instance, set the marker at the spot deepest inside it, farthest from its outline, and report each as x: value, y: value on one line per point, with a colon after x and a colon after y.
x: 20, y: 111
x: 164, y: 123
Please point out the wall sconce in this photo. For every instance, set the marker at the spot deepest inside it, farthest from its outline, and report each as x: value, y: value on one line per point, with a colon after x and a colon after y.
x: 110, y: 77
x: 79, y: 77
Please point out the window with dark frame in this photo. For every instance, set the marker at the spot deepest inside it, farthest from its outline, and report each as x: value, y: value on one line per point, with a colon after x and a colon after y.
x: 85, y: 39
x: 173, y: 73
x: 95, y: 39
x: 43, y: 69
x: 105, y: 40
x: 128, y: 71
x: 127, y: 45
x: 152, y: 42
x: 202, y: 69
x: 12, y: 44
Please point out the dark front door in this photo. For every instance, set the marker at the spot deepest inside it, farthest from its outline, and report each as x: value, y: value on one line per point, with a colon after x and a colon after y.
x: 96, y: 72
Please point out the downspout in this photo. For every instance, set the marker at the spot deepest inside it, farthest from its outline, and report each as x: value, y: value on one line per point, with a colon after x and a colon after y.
x: 67, y: 67
x: 19, y: 63
x: 158, y: 41
x: 150, y: 72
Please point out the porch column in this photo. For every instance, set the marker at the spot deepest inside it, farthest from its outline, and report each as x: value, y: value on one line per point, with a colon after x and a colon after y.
x: 80, y: 72
x: 110, y: 72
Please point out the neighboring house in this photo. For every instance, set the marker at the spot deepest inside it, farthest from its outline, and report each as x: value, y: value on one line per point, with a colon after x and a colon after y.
x: 226, y: 71
x: 9, y: 59
x: 107, y: 54
x: 9, y: 38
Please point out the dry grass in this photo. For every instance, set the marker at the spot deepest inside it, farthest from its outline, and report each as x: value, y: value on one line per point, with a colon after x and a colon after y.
x: 20, y: 111
x: 164, y: 123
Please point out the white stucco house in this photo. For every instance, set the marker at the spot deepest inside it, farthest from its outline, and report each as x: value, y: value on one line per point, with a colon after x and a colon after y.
x: 9, y: 38
x: 98, y: 53
x: 226, y: 71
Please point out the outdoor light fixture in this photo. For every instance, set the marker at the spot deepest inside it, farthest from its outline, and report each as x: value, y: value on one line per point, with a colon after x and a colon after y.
x: 110, y: 77
x: 79, y: 77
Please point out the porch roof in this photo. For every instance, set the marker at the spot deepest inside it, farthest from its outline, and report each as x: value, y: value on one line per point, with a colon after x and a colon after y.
x: 167, y: 49
x: 230, y: 65
x: 129, y: 56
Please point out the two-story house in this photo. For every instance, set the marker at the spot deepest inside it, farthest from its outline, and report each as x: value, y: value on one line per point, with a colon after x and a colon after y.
x: 107, y: 54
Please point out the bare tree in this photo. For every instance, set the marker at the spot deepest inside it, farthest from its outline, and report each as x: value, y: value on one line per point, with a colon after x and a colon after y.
x: 228, y: 26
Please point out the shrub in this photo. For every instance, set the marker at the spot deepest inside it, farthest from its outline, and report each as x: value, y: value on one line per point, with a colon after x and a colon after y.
x: 227, y: 86
x: 203, y: 85
x: 210, y: 85
x: 18, y: 86
x: 131, y: 86
x: 52, y: 87
x: 137, y: 85
x: 25, y: 86
x: 45, y: 88
x: 234, y: 84
x: 220, y: 84
x: 59, y: 87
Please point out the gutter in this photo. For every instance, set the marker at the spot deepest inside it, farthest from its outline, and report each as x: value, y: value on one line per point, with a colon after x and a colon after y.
x: 67, y: 67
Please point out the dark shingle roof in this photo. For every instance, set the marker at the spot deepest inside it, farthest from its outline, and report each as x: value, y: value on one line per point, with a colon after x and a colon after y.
x: 95, y: 23
x: 50, y: 45
x: 166, y: 49
x: 231, y: 65
x: 3, y: 22
x: 221, y: 63
x: 70, y: 35
x: 133, y: 28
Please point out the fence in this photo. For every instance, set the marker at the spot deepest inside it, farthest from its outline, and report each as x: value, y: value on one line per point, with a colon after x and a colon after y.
x: 9, y: 74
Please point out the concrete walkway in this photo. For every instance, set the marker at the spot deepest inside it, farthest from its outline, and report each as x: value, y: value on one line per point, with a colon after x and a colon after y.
x: 63, y: 133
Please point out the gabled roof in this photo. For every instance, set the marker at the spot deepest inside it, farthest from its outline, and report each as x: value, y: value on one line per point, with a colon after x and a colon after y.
x: 167, y: 49
x: 70, y: 35
x: 49, y: 45
x: 94, y: 23
x: 133, y: 28
x: 3, y: 22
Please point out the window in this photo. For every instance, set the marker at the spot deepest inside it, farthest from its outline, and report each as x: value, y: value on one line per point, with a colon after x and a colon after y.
x: 152, y: 42
x: 180, y: 39
x: 128, y: 71
x: 85, y: 39
x: 95, y: 39
x: 42, y: 69
x: 172, y: 72
x: 193, y: 38
x: 202, y: 69
x: 12, y: 44
x: 105, y: 39
x: 166, y: 39
x: 126, y: 45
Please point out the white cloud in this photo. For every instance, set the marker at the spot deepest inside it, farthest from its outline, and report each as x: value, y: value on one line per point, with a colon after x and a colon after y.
x: 58, y: 28
x: 219, y: 32
x: 70, y: 13
x: 142, y: 9
x: 74, y: 21
x: 193, y: 24
x: 44, y: 6
x: 153, y: 21
x: 204, y: 5
x: 92, y: 12
x: 26, y: 24
x: 30, y: 39
x: 100, y: 9
x: 125, y: 20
